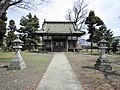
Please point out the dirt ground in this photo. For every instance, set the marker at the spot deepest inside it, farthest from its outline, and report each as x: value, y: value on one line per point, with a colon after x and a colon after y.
x: 91, y: 79
x: 28, y: 78
x: 82, y: 64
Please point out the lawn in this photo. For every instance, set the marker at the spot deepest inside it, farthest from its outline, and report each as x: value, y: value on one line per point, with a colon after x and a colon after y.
x: 6, y: 55
x: 28, y: 78
x: 91, y: 79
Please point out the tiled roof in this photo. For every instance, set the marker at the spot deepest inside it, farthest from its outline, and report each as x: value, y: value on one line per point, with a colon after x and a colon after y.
x: 58, y: 27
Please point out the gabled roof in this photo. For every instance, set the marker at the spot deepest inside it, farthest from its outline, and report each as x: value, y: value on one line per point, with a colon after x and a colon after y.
x: 61, y: 27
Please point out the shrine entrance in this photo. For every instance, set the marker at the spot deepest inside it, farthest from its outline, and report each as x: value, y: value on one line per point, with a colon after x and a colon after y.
x: 59, y: 43
x: 59, y: 46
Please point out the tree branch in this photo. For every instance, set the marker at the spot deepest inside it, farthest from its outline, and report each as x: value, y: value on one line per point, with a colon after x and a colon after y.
x: 15, y: 2
x: 24, y: 4
x: 78, y: 13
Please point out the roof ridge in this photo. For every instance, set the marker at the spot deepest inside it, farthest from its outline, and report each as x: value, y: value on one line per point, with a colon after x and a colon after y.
x: 59, y: 22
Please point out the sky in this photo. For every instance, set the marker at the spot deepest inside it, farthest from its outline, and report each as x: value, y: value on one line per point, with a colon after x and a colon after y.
x: 107, y: 10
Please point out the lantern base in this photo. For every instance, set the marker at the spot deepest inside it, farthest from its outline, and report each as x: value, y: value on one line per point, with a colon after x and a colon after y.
x: 17, y: 65
x: 103, y: 65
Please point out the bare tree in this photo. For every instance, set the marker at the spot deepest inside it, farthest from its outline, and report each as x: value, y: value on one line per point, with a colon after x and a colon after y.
x: 78, y: 13
x: 24, y: 4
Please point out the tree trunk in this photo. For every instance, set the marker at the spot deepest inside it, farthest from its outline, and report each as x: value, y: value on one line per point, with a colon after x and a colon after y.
x: 91, y: 41
x: 91, y: 46
x: 29, y: 46
x: 4, y: 7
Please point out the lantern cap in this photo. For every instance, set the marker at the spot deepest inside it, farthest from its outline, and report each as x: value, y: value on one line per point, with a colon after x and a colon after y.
x: 17, y: 40
x: 103, y: 41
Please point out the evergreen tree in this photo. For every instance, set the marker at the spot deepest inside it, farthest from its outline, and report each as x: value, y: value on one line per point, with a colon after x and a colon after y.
x: 114, y: 46
x: 103, y: 33
x: 11, y: 36
x: 92, y: 22
x: 12, y: 25
x: 99, y: 34
x: 29, y: 24
x: 3, y: 18
x: 108, y: 36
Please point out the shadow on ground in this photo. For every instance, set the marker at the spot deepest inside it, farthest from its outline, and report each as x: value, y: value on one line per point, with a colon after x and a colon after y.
x: 106, y: 74
x: 6, y: 66
x: 88, y: 67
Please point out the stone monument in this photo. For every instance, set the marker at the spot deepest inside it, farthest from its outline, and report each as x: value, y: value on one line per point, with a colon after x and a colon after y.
x: 17, y: 62
x: 102, y: 62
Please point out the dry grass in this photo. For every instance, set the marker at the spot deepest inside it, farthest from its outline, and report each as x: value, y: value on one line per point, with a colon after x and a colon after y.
x: 82, y: 64
x: 91, y: 79
x: 28, y: 78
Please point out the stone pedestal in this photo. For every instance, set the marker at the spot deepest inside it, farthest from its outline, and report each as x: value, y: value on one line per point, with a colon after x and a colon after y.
x: 17, y: 62
x: 102, y: 62
x: 103, y: 65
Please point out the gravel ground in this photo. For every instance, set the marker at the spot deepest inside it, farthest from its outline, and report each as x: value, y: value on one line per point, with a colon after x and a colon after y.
x: 28, y: 78
x: 91, y: 79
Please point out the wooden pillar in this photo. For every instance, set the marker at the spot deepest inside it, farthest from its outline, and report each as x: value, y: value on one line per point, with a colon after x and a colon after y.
x: 74, y: 50
x: 44, y: 45
x: 52, y: 44
x: 67, y: 45
x: 75, y: 46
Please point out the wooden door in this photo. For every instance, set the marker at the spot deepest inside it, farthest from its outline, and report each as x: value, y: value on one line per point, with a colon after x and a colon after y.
x: 59, y: 46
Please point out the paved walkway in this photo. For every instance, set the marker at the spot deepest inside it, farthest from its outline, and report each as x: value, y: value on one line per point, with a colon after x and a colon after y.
x: 59, y: 75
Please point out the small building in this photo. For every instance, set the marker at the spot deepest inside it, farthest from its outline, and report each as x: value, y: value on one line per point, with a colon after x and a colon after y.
x: 59, y: 36
x: 117, y: 38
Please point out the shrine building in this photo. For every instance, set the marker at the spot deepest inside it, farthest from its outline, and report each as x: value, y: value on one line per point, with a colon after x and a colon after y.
x: 59, y: 36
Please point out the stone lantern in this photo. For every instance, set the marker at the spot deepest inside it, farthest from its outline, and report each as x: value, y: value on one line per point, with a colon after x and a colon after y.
x: 102, y: 62
x: 17, y: 62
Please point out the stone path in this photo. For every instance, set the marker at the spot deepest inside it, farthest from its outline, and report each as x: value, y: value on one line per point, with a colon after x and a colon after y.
x: 59, y: 75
